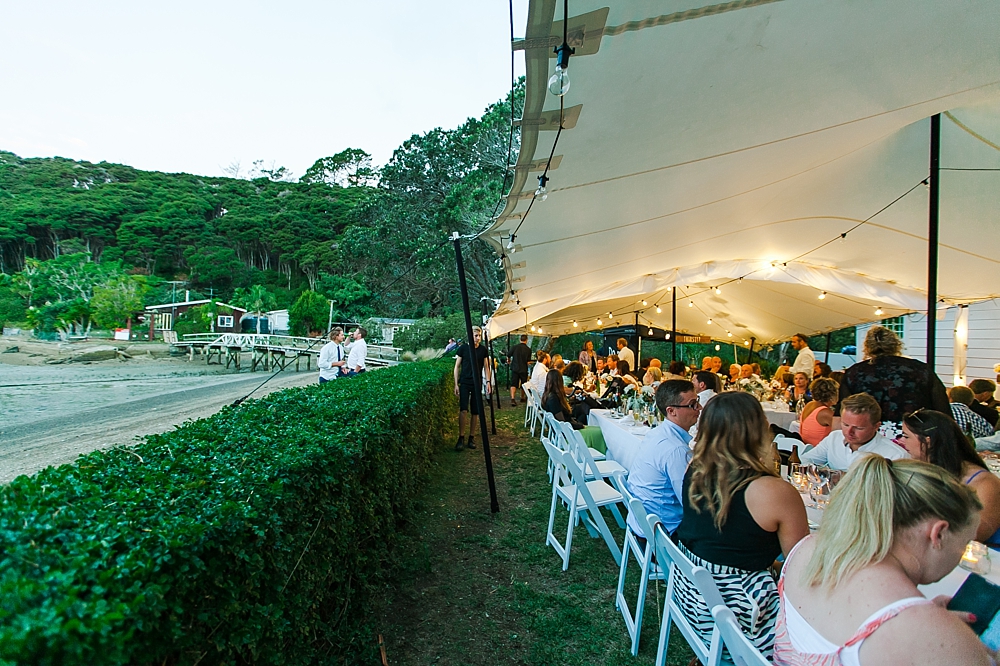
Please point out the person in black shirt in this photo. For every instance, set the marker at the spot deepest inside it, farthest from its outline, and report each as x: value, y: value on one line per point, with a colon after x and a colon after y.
x: 554, y: 400
x: 469, y: 365
x: 519, y: 357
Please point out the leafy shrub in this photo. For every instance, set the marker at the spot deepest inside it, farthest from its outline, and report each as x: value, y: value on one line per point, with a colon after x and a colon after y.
x: 195, y: 320
x: 431, y: 332
x: 252, y: 536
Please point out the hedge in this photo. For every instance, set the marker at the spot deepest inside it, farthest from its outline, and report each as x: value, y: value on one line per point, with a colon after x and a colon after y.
x: 254, y: 536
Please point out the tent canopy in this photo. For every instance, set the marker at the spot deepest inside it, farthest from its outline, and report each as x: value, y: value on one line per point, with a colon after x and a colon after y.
x: 773, y: 149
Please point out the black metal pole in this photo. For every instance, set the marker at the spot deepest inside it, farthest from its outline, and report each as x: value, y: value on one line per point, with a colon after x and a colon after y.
x: 477, y: 393
x: 827, y: 358
x: 673, y: 325
x: 753, y: 341
x: 932, y: 240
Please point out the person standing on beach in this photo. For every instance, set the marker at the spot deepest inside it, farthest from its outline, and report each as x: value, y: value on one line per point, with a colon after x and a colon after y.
x: 469, y: 364
x: 359, y: 352
x: 519, y: 357
x: 332, y: 357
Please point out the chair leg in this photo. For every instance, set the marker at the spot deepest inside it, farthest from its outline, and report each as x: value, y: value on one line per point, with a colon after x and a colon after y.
x: 569, y: 532
x: 661, y: 648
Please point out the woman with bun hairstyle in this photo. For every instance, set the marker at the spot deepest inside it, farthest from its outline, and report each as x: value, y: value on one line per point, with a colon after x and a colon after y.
x: 849, y: 595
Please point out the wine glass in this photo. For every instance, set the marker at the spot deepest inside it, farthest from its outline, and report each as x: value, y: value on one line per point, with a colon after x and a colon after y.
x: 819, y: 486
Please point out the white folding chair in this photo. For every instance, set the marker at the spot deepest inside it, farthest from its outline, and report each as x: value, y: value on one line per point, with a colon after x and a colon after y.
x: 643, y: 556
x: 680, y: 565
x: 573, y: 445
x: 583, y: 499
x: 741, y: 649
x: 538, y: 413
x: 529, y: 405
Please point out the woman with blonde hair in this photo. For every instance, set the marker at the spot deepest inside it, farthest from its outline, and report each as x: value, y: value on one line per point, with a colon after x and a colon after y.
x: 849, y: 596
x: 739, y: 515
x: 653, y: 376
x: 900, y: 385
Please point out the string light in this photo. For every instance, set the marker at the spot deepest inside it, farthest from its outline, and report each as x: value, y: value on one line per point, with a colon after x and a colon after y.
x: 510, y: 243
x: 718, y: 290
x: 717, y: 347
x: 822, y: 295
x: 709, y: 322
x: 575, y: 324
x: 532, y: 328
x: 599, y: 322
x: 644, y: 303
x: 539, y: 329
x: 690, y: 304
x: 669, y: 289
x: 659, y: 310
x: 878, y: 312
x: 746, y: 343
x: 650, y: 332
x: 541, y: 192
x: 559, y: 82
x: 668, y: 337
x: 729, y: 334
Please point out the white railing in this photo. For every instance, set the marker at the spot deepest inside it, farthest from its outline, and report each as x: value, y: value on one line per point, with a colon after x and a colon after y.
x: 247, y: 341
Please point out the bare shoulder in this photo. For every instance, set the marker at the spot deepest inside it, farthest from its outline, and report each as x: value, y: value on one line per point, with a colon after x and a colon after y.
x: 925, y: 634
x: 772, y: 489
x: 986, y: 483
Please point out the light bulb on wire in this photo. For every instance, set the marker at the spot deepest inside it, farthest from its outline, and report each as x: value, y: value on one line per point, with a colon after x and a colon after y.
x: 822, y: 295
x: 650, y: 332
x: 539, y: 329
x: 659, y: 310
x: 559, y: 82
x: 717, y: 347
x: 541, y: 192
x: 746, y: 343
x: 718, y: 290
x: 728, y: 333
x: 879, y: 312
x: 709, y: 322
x: 690, y: 304
x: 575, y: 324
x: 599, y: 322
x: 532, y: 328
x: 644, y: 304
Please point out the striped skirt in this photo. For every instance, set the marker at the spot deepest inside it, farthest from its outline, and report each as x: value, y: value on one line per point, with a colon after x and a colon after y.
x: 738, y: 586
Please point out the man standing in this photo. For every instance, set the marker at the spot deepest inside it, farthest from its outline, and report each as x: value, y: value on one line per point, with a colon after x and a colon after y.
x: 860, y: 419
x: 359, y: 352
x: 519, y: 357
x: 625, y: 354
x: 657, y: 474
x: 469, y: 364
x: 805, y: 360
x: 332, y: 356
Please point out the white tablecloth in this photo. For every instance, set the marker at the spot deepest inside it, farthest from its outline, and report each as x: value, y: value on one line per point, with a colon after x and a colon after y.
x: 780, y: 417
x: 621, y: 436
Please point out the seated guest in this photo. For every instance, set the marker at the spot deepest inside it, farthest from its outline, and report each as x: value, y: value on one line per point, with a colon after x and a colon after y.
x: 734, y: 374
x: 756, y: 369
x: 717, y: 364
x: 935, y: 438
x: 850, y: 595
x: 625, y: 374
x: 643, y: 366
x: 787, y: 382
x: 554, y: 400
x: 821, y: 369
x: 706, y: 363
x: 656, y: 363
x: 706, y: 384
x: 799, y: 390
x: 984, y: 404
x: 837, y: 375
x: 746, y: 371
x: 657, y: 474
x: 817, y: 416
x: 677, y: 370
x: 860, y: 418
x: 538, y: 373
x: 601, y: 366
x: 612, y: 364
x: 782, y: 369
x: 556, y: 359
x: 653, y: 377
x: 576, y: 394
x: 961, y: 398
x: 738, y: 517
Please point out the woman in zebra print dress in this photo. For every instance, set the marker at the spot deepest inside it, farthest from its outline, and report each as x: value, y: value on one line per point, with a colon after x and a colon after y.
x: 739, y: 515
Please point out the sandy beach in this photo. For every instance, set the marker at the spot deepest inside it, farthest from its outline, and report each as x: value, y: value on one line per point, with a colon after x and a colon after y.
x: 54, y: 405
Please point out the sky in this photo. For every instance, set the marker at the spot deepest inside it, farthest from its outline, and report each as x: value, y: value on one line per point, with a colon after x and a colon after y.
x: 196, y: 86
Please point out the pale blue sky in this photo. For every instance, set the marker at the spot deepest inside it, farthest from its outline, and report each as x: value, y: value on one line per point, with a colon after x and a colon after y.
x: 193, y: 86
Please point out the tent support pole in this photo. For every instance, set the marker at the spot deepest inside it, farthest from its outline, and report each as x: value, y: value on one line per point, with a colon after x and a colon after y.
x: 638, y: 343
x: 932, y: 240
x: 753, y: 341
x: 509, y: 382
x: 673, y: 324
x: 477, y: 393
x: 827, y: 359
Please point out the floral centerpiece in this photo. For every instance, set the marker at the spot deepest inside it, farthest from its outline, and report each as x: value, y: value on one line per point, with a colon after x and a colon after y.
x: 753, y: 385
x: 639, y: 399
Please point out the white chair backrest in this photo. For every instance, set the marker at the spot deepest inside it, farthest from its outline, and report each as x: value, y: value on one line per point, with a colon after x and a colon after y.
x: 741, y: 650
x: 557, y: 458
x: 700, y: 576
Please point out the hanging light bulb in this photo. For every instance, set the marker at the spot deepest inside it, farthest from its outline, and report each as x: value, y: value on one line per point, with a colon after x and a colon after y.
x: 650, y: 332
x: 532, y: 328
x: 822, y: 295
x: 718, y: 290
x: 559, y: 82
x: 575, y: 324
x: 669, y: 289
x: 659, y: 310
x: 541, y: 192
x: 610, y: 315
x: 740, y: 281
x: 878, y: 312
x: 746, y: 343
x: 599, y: 322
x: 510, y: 243
x: 690, y: 304
x: 729, y: 334
x: 843, y: 237
x: 667, y: 337
x: 709, y: 322
x: 644, y: 304
x: 717, y: 347
x: 539, y: 329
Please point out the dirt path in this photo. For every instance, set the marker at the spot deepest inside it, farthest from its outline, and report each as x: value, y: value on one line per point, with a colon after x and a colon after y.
x: 27, y: 448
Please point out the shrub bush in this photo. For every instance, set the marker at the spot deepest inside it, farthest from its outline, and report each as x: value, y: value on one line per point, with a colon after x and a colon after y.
x: 252, y: 536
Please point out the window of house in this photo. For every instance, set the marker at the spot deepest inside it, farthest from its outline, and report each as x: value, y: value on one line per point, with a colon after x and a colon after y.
x: 894, y: 324
x: 225, y: 321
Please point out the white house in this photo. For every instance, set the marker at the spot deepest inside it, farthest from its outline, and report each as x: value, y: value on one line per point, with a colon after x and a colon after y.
x: 968, y: 340
x: 390, y: 327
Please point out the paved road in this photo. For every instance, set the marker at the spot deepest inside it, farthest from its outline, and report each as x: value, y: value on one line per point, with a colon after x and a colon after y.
x: 25, y: 449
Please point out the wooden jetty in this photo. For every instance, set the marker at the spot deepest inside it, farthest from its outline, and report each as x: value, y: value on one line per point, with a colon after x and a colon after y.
x: 267, y: 351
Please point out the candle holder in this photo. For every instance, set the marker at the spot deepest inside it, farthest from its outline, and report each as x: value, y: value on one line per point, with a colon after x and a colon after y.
x: 976, y: 558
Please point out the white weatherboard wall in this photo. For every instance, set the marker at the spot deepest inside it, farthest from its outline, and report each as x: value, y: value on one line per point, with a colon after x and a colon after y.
x: 984, y: 340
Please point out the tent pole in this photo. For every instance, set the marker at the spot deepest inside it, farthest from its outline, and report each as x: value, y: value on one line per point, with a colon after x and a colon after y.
x: 509, y: 382
x: 477, y: 393
x: 827, y: 359
x: 673, y: 325
x: 932, y: 240
x: 753, y: 341
x: 638, y: 343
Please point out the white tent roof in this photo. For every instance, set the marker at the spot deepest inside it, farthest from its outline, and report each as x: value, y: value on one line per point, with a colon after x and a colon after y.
x: 704, y: 143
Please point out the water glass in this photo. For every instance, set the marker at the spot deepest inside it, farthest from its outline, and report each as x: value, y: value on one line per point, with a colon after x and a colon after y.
x: 976, y: 558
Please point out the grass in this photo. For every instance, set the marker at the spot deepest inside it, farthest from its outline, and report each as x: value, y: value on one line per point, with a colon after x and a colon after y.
x: 479, y: 588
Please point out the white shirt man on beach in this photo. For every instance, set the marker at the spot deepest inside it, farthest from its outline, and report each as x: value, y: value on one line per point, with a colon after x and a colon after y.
x: 860, y: 419
x: 359, y: 352
x: 805, y: 360
x: 332, y: 357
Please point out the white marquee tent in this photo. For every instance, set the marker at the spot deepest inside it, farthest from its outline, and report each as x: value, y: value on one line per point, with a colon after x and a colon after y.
x: 720, y: 151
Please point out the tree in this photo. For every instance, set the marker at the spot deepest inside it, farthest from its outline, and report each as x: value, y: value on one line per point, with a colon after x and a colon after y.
x: 348, y: 168
x: 115, y: 302
x: 256, y: 300
x: 310, y: 312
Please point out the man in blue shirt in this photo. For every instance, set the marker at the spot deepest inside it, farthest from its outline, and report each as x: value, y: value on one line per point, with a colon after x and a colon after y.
x: 656, y: 477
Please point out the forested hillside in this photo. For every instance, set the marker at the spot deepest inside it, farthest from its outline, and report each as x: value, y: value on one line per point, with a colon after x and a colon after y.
x: 370, y: 239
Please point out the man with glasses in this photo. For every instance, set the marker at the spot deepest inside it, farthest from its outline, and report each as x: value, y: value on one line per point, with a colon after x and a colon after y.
x: 656, y: 477
x: 860, y: 418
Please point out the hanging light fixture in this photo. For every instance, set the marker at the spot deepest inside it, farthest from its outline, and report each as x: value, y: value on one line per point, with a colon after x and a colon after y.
x: 659, y: 310
x: 718, y: 290
x: 690, y: 304
x: 541, y: 192
x: 599, y: 322
x: 746, y: 343
x: 879, y: 312
x: 559, y: 82
x: 717, y: 347
x: 539, y: 329
x: 729, y: 334
x: 822, y: 295
x: 667, y: 337
x: 650, y: 332
x: 644, y: 304
x: 710, y: 322
x: 669, y: 289
x: 532, y: 328
x: 510, y: 243
x: 575, y: 324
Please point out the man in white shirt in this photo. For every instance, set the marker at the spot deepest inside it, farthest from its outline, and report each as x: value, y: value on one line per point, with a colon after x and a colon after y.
x: 656, y: 476
x: 706, y: 384
x: 625, y: 354
x: 359, y: 352
x: 332, y: 356
x: 805, y: 360
x: 538, y: 373
x: 860, y: 418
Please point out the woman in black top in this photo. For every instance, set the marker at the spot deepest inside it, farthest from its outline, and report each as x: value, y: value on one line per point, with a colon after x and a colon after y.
x: 554, y: 400
x: 738, y: 516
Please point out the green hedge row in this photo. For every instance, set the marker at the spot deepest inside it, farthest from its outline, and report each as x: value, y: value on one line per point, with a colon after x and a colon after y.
x: 252, y: 536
